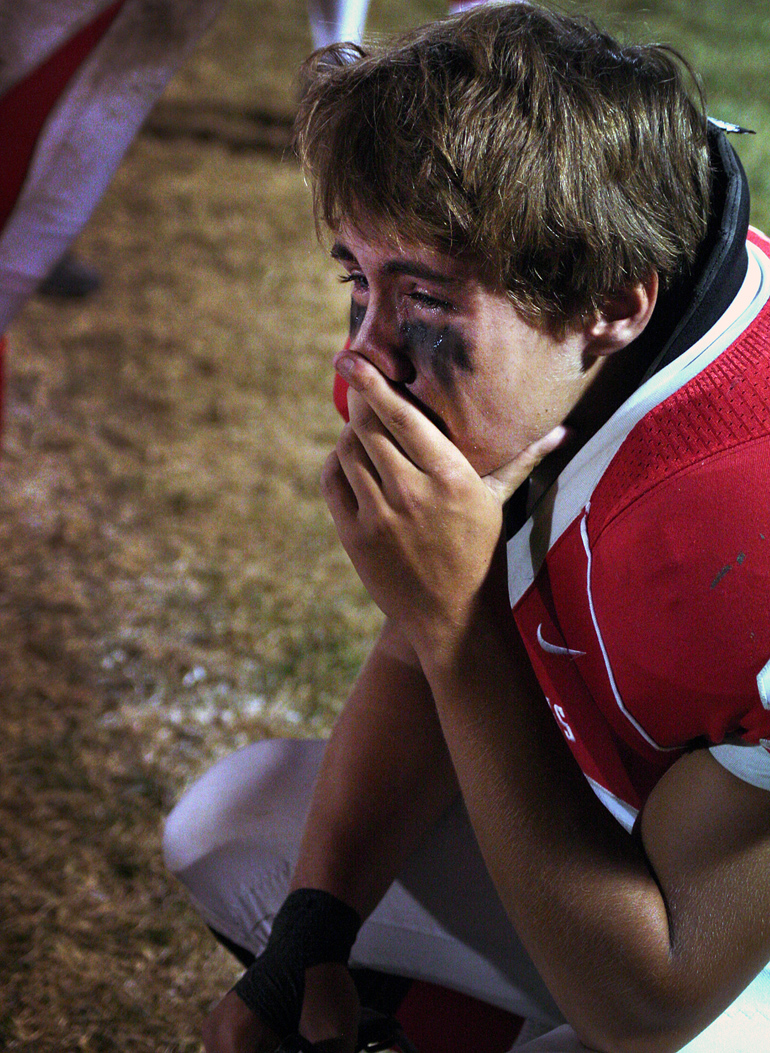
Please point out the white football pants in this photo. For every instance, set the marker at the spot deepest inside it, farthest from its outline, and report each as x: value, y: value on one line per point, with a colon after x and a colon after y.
x: 233, y: 841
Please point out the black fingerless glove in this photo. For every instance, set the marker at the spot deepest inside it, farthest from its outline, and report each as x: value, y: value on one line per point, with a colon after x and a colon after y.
x: 311, y: 928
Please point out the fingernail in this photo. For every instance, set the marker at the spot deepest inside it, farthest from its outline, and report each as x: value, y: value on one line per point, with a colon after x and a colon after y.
x: 344, y: 364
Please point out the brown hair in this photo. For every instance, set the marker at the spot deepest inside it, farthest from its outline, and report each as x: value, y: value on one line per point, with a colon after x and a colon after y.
x: 566, y: 164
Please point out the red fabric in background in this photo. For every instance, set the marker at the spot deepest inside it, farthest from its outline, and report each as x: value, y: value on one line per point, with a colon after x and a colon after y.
x: 340, y: 395
x: 25, y: 108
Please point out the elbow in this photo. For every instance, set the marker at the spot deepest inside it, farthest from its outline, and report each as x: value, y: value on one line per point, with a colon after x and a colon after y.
x: 662, y: 1024
x: 636, y: 1041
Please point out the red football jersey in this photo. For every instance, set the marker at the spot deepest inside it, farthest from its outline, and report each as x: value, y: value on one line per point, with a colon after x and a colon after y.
x: 640, y: 584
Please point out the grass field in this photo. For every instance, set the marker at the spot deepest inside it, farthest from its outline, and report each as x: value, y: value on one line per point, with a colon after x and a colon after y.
x: 172, y: 586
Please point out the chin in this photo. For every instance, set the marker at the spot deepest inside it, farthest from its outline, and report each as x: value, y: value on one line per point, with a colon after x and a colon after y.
x: 483, y: 464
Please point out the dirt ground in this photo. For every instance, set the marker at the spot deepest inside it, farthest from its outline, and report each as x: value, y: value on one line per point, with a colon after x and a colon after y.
x: 171, y: 587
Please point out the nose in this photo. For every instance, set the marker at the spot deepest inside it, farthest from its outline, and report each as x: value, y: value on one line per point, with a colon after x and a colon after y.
x: 378, y: 338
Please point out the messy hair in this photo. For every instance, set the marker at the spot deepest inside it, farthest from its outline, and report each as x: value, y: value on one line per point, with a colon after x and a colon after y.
x: 565, y: 164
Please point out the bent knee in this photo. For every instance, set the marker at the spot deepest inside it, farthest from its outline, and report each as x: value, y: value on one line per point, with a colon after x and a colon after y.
x: 259, y: 793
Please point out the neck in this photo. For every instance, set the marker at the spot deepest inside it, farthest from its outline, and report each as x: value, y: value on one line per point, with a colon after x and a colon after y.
x: 614, y: 380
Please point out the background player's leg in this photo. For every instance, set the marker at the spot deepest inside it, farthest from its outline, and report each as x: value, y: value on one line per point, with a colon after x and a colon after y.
x: 90, y: 72
x: 336, y: 20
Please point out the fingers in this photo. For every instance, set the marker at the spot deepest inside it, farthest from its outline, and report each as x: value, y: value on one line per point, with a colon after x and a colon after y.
x: 392, y: 419
x: 367, y: 469
x: 232, y: 1028
x: 382, y: 447
x: 389, y: 440
x: 397, y: 435
x: 349, y: 480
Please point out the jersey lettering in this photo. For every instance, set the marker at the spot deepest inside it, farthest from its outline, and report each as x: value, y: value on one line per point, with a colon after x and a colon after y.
x: 561, y: 719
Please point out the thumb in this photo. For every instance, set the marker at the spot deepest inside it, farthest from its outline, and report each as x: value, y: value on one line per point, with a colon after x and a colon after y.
x: 330, y: 1009
x: 509, y: 477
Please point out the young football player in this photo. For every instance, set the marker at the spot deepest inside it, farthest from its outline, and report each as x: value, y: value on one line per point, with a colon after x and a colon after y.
x: 548, y: 787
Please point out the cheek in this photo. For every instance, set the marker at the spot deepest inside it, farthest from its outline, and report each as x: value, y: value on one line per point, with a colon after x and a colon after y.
x: 490, y: 426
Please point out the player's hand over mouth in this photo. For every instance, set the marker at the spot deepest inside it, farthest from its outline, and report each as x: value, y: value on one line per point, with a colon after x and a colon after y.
x: 419, y: 524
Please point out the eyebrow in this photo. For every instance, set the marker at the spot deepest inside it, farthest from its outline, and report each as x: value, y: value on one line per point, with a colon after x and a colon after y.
x: 410, y: 267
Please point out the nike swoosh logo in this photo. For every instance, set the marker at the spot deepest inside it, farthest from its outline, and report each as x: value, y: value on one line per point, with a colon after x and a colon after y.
x: 763, y: 686
x: 551, y: 648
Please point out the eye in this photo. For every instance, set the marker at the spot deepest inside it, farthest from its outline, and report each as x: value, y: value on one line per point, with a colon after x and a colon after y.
x: 360, y: 284
x: 432, y: 303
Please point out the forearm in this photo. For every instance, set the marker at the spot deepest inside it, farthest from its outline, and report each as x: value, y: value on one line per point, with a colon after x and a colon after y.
x: 640, y: 955
x: 386, y: 778
x: 577, y: 888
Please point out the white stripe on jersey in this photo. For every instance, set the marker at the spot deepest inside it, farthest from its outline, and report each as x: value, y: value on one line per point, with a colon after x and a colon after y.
x: 623, y: 812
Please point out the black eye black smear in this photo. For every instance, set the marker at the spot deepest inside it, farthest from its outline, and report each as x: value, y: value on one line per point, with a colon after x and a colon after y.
x: 447, y: 349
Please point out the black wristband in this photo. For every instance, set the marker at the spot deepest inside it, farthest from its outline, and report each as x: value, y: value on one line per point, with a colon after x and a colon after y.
x: 311, y: 928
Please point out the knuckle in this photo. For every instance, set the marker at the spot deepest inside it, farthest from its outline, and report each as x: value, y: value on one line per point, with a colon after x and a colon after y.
x: 348, y: 442
x: 329, y: 471
x: 367, y: 379
x: 450, y: 477
x: 404, y: 499
x: 373, y: 527
x: 369, y: 529
x: 411, y: 503
x: 331, y: 476
x: 398, y: 417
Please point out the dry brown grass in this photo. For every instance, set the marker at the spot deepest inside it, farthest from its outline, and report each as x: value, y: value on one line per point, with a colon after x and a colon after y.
x: 172, y: 588
x: 171, y: 584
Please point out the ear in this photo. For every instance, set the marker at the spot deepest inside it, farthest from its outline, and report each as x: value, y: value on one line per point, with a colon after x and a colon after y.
x: 622, y: 317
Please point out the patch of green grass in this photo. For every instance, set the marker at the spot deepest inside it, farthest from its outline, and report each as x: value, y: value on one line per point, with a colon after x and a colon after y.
x: 728, y: 48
